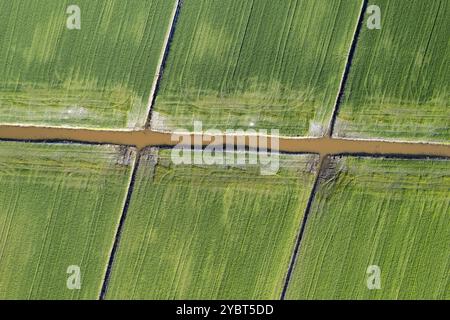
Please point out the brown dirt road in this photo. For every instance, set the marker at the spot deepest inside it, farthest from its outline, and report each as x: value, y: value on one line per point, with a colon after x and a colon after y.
x: 146, y: 138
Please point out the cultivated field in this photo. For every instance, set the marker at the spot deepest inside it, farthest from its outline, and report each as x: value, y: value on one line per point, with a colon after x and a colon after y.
x: 99, y: 76
x: 207, y: 232
x: 394, y: 214
x: 399, y: 84
x: 137, y: 224
x: 256, y: 64
x: 59, y: 207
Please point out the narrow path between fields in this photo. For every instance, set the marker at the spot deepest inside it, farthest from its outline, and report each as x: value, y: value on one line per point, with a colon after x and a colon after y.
x: 302, y: 227
x: 120, y: 226
x: 348, y: 65
x: 162, y: 60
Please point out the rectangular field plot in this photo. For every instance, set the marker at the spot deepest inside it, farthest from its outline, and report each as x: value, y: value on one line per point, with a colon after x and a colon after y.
x: 97, y: 76
x: 210, y: 232
x: 399, y: 82
x: 59, y: 207
x: 237, y: 64
x: 377, y: 219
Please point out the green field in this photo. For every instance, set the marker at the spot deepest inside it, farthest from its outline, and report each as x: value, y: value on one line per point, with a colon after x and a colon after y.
x: 99, y: 76
x: 399, y: 84
x: 201, y: 232
x: 139, y: 225
x: 391, y: 213
x: 256, y: 64
x: 59, y: 206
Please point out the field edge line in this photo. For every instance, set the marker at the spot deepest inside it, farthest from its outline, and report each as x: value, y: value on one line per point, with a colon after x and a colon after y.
x: 297, y: 245
x: 120, y: 226
x: 346, y: 72
x: 162, y: 62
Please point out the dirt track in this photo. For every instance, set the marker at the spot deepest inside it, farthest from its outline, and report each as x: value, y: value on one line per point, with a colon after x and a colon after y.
x: 145, y: 138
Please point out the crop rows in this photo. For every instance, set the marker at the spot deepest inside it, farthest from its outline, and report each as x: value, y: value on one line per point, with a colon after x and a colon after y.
x: 60, y: 205
x: 389, y: 213
x: 256, y: 64
x: 205, y: 232
x: 399, y: 82
x: 98, y: 76
x: 224, y: 231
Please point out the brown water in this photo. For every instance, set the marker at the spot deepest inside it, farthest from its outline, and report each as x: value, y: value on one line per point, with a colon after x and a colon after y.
x: 146, y: 138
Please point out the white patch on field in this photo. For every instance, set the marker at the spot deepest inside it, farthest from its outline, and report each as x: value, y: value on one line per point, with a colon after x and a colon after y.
x: 340, y: 128
x: 158, y: 121
x: 126, y: 156
x: 316, y: 129
x: 74, y: 112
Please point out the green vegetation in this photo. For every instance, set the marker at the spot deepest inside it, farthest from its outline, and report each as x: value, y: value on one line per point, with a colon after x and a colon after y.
x: 59, y: 206
x: 256, y: 64
x: 99, y: 76
x: 399, y: 84
x: 391, y: 213
x: 222, y: 231
x: 202, y: 232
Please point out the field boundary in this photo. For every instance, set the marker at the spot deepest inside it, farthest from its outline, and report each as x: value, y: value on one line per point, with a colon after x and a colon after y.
x: 301, y: 232
x: 348, y: 64
x: 118, y: 233
x: 162, y: 61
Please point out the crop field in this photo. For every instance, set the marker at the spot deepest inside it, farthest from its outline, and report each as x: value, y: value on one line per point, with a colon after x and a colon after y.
x: 59, y: 207
x: 394, y: 214
x: 237, y: 64
x: 97, y: 76
x: 99, y: 200
x: 399, y: 83
x: 196, y: 232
